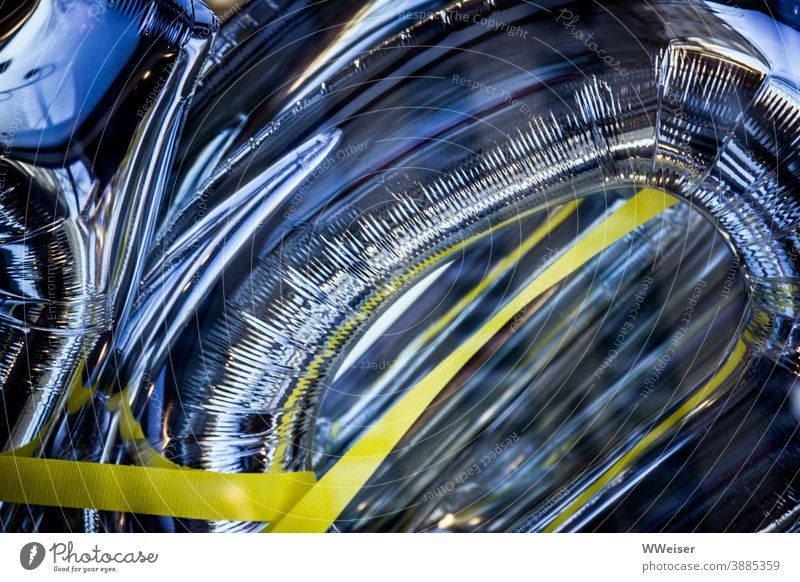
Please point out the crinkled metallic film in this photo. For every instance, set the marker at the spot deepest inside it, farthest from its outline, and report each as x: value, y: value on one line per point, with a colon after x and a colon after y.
x: 491, y: 265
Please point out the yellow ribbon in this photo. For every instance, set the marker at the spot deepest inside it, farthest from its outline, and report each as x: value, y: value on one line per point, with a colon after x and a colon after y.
x: 159, y: 488
x: 537, y: 236
x: 164, y: 488
x: 323, y: 503
x: 186, y: 493
x: 688, y: 407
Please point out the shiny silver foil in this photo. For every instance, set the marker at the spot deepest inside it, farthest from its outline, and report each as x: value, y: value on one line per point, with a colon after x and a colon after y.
x: 272, y: 252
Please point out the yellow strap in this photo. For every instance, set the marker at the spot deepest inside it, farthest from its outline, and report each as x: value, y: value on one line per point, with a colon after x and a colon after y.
x: 77, y: 397
x: 504, y: 265
x: 533, y: 239
x: 160, y: 488
x: 30, y: 447
x: 185, y: 493
x: 315, y: 368
x: 688, y: 407
x: 320, y: 507
x: 131, y: 433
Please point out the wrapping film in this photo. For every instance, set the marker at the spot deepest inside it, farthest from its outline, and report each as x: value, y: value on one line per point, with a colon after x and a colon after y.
x: 399, y: 266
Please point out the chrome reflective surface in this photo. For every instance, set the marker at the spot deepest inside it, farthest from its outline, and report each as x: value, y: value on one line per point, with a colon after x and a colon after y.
x: 267, y: 239
x: 92, y: 99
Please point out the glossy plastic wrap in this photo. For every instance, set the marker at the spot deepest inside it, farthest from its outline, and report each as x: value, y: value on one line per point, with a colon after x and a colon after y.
x: 92, y: 99
x: 265, y: 281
